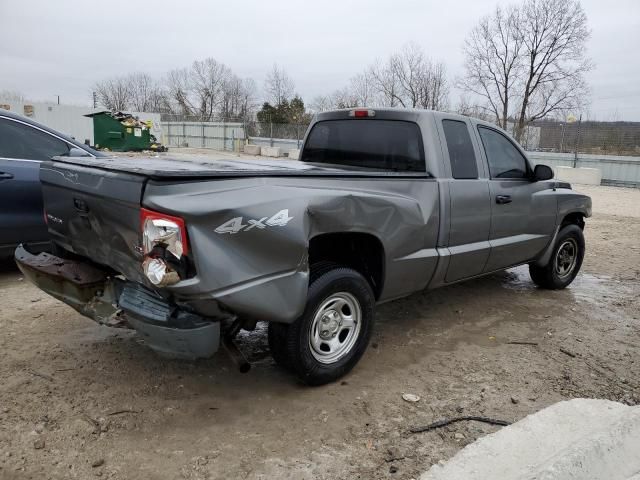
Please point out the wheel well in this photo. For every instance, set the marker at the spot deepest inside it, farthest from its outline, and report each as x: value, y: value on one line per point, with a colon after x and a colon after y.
x: 575, y: 218
x: 361, y: 251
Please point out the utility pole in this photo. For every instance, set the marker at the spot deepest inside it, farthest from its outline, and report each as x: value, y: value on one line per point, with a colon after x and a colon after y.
x: 575, y: 158
x: 58, y: 99
x: 95, y: 100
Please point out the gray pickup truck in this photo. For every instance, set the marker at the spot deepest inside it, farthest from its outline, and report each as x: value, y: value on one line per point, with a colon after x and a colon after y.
x: 382, y: 203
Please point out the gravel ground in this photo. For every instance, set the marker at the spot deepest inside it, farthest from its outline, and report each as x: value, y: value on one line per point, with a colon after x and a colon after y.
x: 78, y: 400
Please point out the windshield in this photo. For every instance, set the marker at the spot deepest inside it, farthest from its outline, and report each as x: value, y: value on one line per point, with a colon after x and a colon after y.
x: 367, y: 143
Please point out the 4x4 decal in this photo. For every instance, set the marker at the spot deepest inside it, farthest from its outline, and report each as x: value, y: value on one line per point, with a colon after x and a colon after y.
x: 235, y: 225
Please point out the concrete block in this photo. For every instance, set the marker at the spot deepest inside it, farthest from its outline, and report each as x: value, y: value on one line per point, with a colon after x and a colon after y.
x: 580, y: 438
x: 252, y: 149
x: 584, y: 176
x: 270, y: 151
x: 294, y: 154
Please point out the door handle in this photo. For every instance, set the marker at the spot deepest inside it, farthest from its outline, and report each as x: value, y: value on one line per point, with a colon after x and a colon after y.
x: 502, y: 199
x: 6, y: 176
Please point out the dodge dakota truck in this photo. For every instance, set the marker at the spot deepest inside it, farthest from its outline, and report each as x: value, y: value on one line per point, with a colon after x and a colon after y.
x: 381, y: 204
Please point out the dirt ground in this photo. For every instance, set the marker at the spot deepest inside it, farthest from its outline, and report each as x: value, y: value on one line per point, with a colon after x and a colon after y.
x: 78, y: 400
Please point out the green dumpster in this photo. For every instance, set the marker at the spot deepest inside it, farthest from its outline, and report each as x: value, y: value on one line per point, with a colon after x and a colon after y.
x: 122, y: 132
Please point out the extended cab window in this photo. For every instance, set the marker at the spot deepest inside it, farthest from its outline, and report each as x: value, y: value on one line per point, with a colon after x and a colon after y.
x: 461, y: 154
x: 21, y: 141
x: 505, y: 160
x: 368, y: 143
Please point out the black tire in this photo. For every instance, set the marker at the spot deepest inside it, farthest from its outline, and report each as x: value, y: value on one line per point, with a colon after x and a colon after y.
x: 292, y: 345
x: 558, y: 274
x: 277, y: 332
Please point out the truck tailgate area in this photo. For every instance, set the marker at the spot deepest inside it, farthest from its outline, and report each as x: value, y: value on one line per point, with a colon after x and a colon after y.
x: 95, y: 213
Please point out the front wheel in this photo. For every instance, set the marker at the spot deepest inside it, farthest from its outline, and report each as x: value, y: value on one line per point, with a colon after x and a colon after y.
x: 565, y: 262
x: 333, y: 332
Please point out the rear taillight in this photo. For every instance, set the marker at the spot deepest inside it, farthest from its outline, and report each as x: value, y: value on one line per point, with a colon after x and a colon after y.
x: 160, y: 229
x: 362, y: 113
x: 164, y: 242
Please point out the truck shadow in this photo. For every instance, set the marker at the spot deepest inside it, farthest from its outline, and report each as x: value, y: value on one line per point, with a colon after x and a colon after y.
x: 486, y: 313
x: 9, y: 272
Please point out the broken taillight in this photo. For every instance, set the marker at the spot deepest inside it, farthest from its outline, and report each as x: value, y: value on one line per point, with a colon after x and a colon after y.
x: 160, y: 229
x: 164, y: 242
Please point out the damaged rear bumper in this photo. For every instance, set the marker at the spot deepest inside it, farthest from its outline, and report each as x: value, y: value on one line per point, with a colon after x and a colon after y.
x: 168, y: 329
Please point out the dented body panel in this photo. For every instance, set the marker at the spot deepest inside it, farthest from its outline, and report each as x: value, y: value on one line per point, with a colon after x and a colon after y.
x: 250, y: 225
x: 263, y: 272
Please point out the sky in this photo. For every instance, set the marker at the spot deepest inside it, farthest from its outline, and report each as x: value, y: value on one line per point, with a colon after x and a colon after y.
x: 62, y: 47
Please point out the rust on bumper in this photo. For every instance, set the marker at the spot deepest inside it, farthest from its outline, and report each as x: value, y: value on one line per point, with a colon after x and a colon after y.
x: 80, y: 285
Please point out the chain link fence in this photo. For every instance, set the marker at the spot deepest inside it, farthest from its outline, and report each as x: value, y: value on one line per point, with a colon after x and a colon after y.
x: 277, y: 131
x: 586, y: 137
x: 596, y: 138
x: 207, y: 118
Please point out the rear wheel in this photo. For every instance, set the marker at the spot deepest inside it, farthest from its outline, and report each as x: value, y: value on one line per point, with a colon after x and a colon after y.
x: 333, y: 332
x: 565, y: 262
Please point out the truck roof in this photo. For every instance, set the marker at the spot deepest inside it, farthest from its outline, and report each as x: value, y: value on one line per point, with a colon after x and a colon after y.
x: 410, y: 114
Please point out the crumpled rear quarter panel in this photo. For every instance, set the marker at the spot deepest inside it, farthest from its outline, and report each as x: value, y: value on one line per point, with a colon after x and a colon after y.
x: 263, y: 272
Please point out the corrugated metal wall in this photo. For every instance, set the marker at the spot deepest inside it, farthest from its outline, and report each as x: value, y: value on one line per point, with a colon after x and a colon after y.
x: 215, y: 135
x: 616, y: 170
x: 70, y: 119
x: 284, y: 143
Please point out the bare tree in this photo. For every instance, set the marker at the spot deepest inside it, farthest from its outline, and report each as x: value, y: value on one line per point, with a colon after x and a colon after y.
x: 493, y: 53
x: 321, y: 103
x: 179, y: 92
x: 408, y: 79
x: 409, y: 69
x: 555, y: 34
x: 528, y: 61
x: 474, y: 109
x: 278, y: 86
x: 435, y: 88
x: 238, y: 98
x: 145, y: 93
x: 114, y: 94
x: 362, y: 91
x: 386, y: 84
x: 423, y: 83
x: 344, y: 98
x: 208, y: 79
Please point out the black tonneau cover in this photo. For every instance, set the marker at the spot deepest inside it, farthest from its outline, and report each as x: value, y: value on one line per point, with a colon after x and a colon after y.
x: 163, y: 167
x: 205, y: 167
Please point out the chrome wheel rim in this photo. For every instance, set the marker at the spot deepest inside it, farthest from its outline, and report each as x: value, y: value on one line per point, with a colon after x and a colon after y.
x: 335, y: 328
x: 566, y: 258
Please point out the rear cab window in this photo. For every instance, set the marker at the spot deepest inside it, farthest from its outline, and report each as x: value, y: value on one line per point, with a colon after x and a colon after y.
x: 393, y: 145
x: 461, y: 154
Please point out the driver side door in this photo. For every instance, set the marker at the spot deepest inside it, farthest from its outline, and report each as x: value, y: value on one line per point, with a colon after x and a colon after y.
x: 523, y: 212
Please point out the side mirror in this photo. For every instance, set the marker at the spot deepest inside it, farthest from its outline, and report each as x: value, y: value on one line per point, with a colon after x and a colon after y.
x: 542, y: 172
x: 78, y: 152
